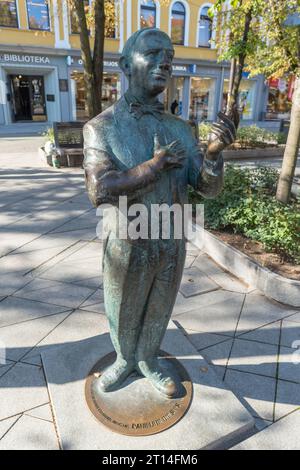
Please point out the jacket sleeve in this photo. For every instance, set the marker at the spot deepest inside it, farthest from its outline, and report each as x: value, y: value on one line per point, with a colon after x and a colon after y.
x: 105, y: 180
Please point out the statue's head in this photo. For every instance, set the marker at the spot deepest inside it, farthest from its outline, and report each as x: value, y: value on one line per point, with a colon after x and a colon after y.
x: 146, y: 60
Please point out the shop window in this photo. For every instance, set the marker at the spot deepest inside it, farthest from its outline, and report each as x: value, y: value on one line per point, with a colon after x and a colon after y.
x: 38, y: 14
x: 280, y: 93
x: 246, y: 97
x: 202, y: 99
x: 173, y: 96
x: 178, y: 23
x: 205, y: 28
x: 111, y: 92
x: 8, y: 14
x: 147, y: 14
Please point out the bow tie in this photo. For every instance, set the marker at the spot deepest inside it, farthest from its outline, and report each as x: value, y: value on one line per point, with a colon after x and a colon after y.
x: 138, y: 110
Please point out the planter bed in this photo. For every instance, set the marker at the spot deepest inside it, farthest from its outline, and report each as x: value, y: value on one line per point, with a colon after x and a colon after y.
x: 272, y: 284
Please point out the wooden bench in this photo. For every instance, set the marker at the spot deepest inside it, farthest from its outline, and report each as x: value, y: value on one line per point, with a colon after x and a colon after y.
x: 68, y: 140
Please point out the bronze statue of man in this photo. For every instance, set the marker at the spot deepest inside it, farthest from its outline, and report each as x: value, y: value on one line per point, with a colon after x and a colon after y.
x: 136, y: 149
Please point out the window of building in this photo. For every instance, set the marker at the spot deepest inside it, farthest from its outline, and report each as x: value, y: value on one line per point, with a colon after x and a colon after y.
x: 178, y: 23
x: 110, y: 20
x: 111, y: 92
x: 246, y: 97
x: 202, y: 99
x: 147, y: 14
x: 205, y: 28
x: 38, y: 14
x: 8, y: 14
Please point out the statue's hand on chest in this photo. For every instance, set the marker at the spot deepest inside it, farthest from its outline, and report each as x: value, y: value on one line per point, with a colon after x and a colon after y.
x: 167, y: 157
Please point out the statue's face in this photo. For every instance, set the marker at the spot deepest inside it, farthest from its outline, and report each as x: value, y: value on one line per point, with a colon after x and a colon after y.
x: 151, y: 62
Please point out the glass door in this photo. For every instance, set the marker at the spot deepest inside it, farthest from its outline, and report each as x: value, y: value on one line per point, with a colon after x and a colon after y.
x: 37, y: 99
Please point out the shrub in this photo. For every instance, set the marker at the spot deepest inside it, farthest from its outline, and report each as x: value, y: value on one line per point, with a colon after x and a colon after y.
x: 250, y: 136
x: 247, y: 205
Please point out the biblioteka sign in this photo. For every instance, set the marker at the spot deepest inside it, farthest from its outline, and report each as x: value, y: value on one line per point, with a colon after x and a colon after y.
x: 25, y: 59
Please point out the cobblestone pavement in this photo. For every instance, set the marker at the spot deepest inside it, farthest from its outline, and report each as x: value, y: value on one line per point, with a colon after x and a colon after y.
x: 51, y: 285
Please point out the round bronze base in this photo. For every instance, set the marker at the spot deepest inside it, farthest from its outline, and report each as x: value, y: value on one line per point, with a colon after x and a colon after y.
x: 137, y: 408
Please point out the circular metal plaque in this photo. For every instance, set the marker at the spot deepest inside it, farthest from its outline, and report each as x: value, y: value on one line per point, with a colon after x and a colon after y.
x: 137, y: 408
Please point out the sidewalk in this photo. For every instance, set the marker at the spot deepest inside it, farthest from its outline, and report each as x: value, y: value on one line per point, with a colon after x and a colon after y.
x: 51, y: 292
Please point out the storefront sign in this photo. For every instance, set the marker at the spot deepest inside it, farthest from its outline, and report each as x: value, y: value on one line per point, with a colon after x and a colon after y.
x: 179, y: 68
x: 27, y: 59
x: 78, y: 61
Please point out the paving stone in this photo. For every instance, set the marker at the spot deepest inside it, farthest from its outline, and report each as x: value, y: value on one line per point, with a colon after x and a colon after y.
x: 254, y: 391
x: 23, y: 263
x: 287, y: 398
x: 95, y: 303
x: 192, y: 249
x: 7, y: 424
x: 216, y: 313
x: 290, y: 334
x: 289, y: 364
x: 12, y: 282
x: 283, y: 435
x: 77, y: 328
x: 5, y: 368
x: 254, y: 357
x: 20, y: 338
x: 183, y: 304
x: 200, y: 428
x: 189, y: 261
x: 21, y: 388
x: 219, y: 353
x: 10, y: 240
x: 71, y: 272
x: 295, y: 317
x: 230, y: 283
x: 195, y: 282
x: 207, y: 265
x: 15, y: 310
x: 85, y: 221
x: 30, y: 434
x: 258, y: 311
x: 269, y: 334
x: 204, y: 340
x: 261, y: 424
x: 41, y: 412
x: 57, y: 293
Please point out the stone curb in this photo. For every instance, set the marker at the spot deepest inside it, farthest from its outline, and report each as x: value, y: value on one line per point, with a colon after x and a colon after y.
x: 242, y: 266
x: 255, y: 153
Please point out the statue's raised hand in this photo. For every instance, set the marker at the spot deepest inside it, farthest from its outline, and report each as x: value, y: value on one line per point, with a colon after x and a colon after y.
x: 168, y: 156
x: 222, y: 134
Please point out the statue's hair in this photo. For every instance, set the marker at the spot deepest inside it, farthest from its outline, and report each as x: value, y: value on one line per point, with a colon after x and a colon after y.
x: 130, y: 43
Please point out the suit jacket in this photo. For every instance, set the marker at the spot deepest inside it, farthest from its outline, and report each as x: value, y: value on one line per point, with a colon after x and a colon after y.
x: 116, y: 140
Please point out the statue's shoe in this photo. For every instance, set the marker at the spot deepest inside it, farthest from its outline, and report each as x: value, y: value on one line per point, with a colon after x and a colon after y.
x: 114, y: 376
x: 160, y: 379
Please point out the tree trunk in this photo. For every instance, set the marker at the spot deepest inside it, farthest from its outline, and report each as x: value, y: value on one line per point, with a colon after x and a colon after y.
x: 238, y: 69
x: 98, y: 54
x: 291, y: 150
x: 92, y: 65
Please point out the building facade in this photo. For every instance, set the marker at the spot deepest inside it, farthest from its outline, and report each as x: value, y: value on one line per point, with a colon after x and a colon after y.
x: 41, y: 73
